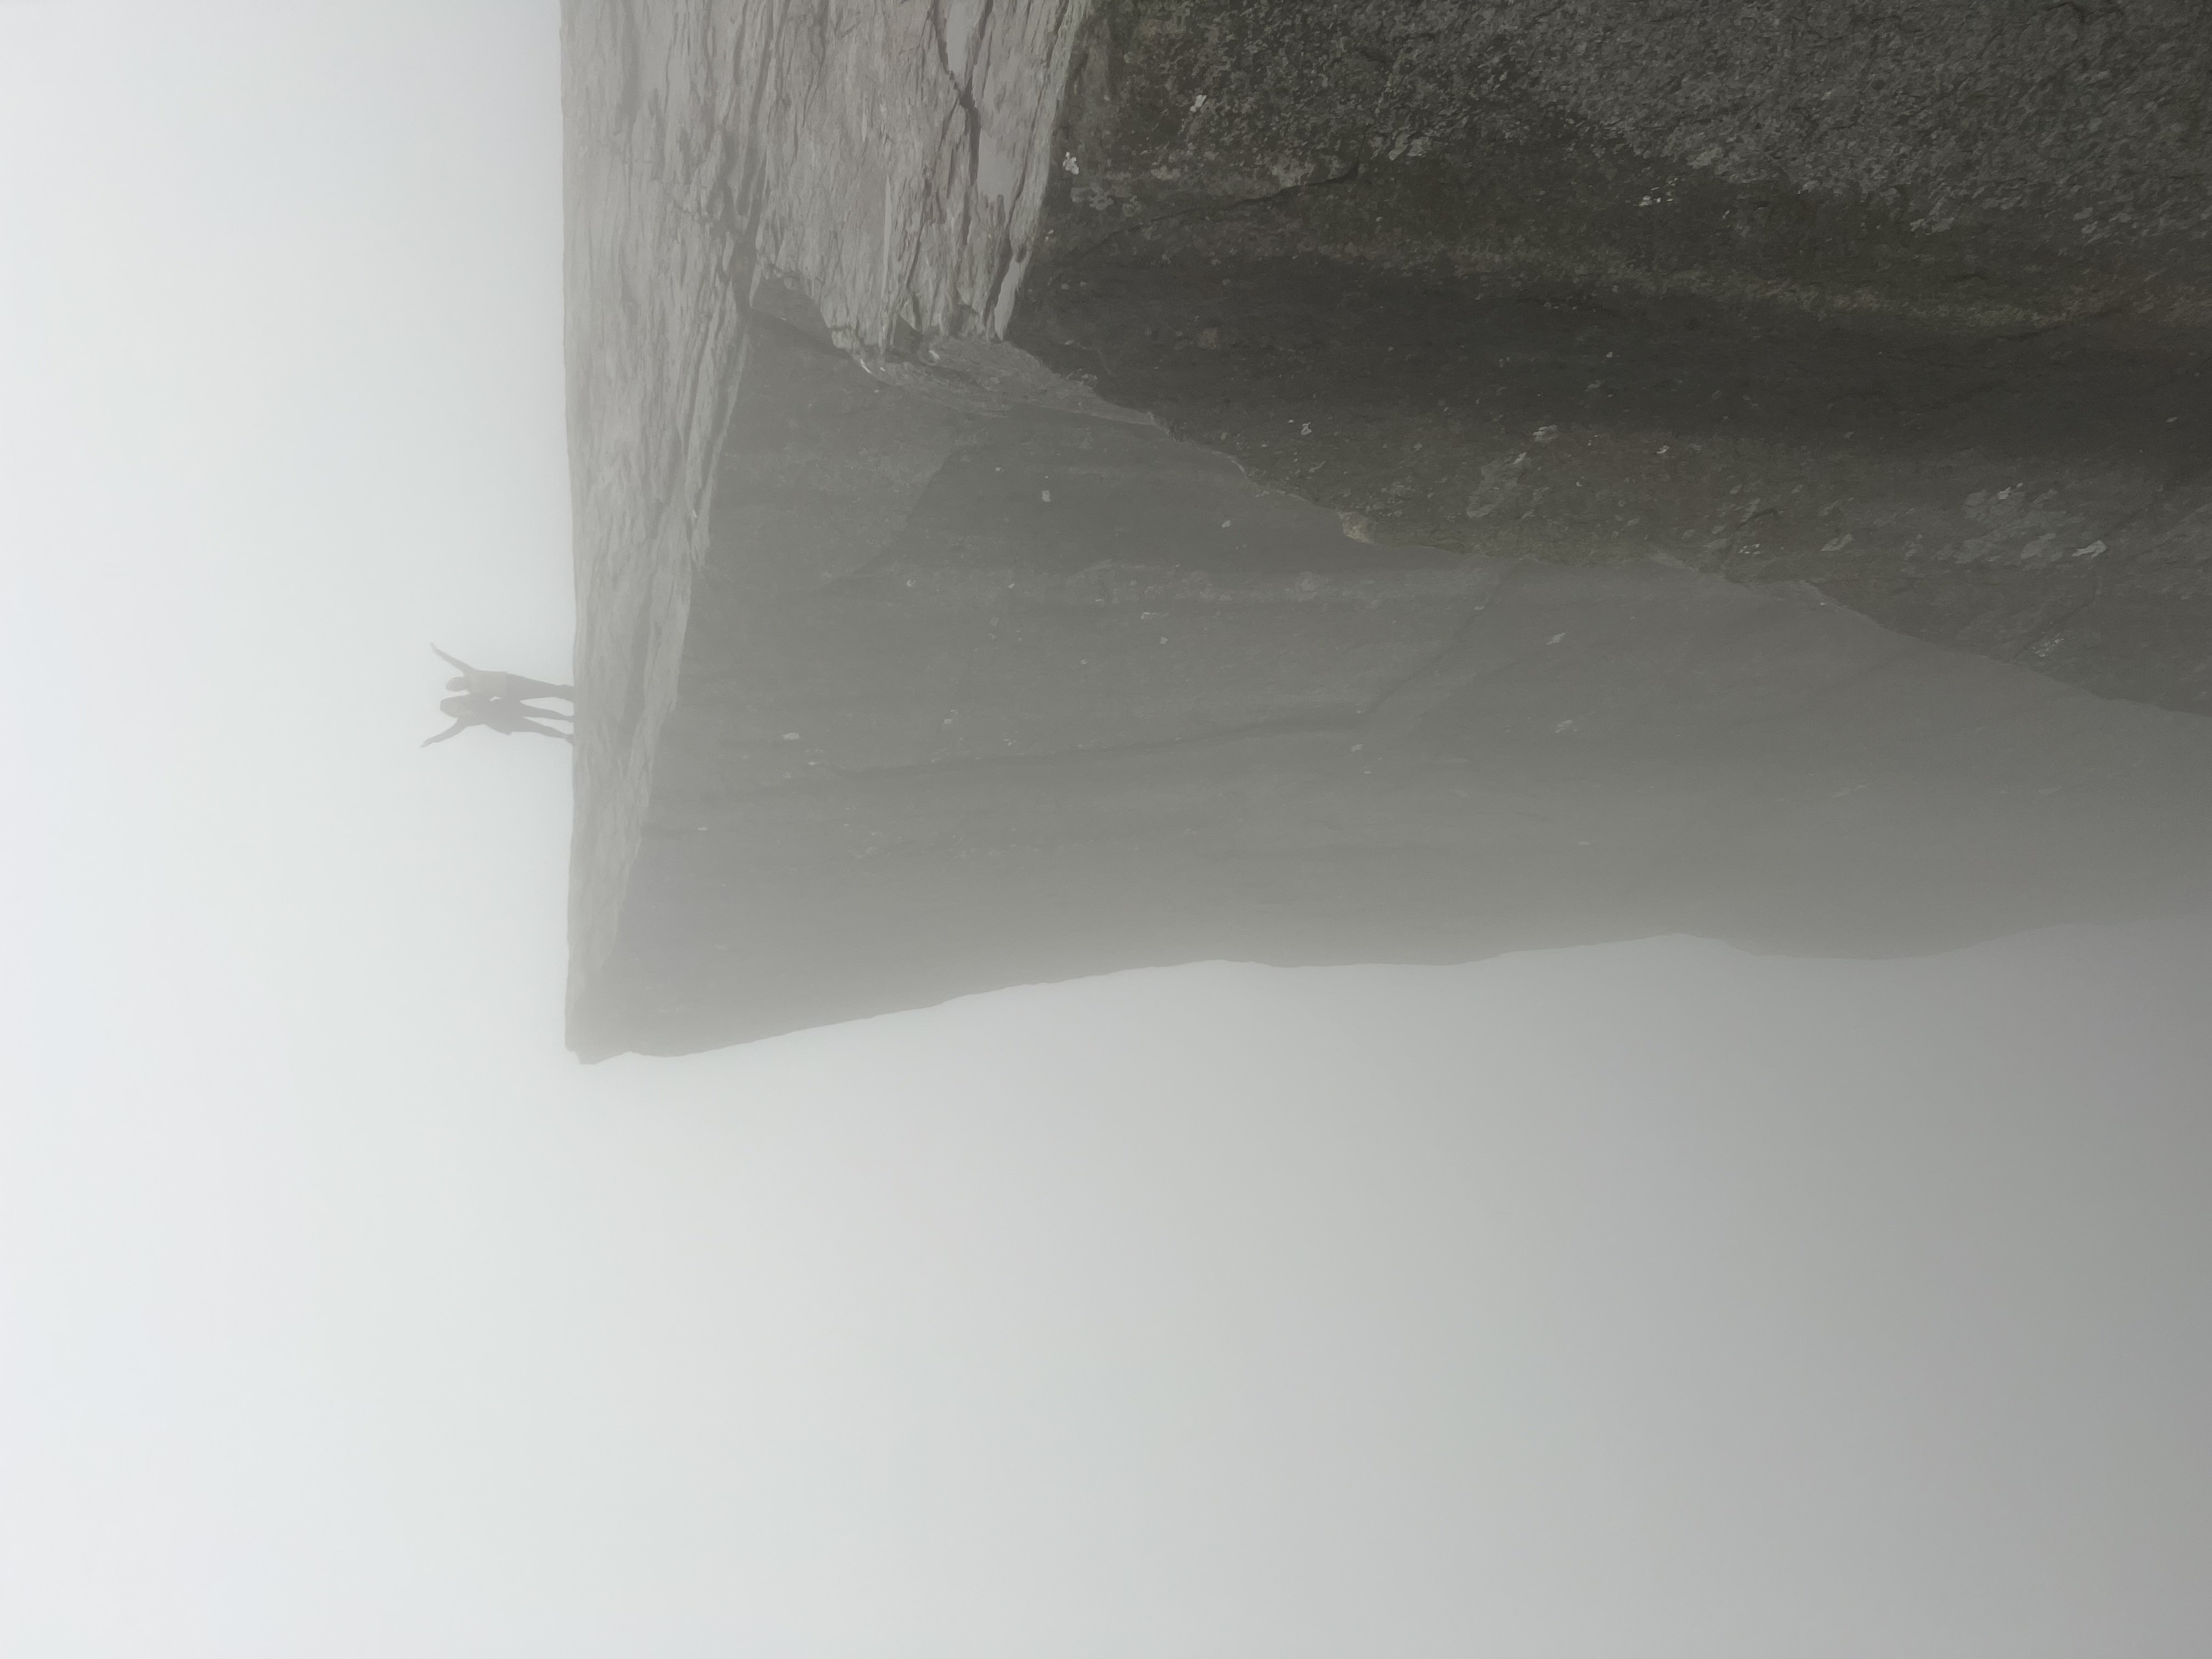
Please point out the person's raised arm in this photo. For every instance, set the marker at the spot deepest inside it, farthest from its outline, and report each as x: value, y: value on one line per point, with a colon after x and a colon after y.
x: 452, y: 731
x: 452, y: 658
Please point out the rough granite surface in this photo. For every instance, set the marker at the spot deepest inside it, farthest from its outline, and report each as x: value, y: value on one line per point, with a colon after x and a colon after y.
x: 1651, y: 468
x: 888, y: 159
x: 1965, y: 159
x: 1906, y: 303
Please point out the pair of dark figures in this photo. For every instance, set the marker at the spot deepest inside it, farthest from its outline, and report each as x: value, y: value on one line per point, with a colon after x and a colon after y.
x: 501, y: 701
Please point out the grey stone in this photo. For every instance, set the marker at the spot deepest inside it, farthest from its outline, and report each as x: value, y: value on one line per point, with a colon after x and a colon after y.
x: 1063, y: 489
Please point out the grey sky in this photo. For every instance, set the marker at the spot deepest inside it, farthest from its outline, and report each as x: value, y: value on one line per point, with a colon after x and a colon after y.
x: 1651, y: 1300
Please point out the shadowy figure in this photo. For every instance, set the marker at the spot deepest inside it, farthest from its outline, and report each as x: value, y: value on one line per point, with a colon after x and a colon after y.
x: 491, y: 682
x: 502, y: 714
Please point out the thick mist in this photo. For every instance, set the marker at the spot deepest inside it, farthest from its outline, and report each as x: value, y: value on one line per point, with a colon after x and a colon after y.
x: 1653, y: 1298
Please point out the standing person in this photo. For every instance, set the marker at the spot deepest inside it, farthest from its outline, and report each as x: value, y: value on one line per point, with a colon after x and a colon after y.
x: 491, y: 682
x: 501, y: 715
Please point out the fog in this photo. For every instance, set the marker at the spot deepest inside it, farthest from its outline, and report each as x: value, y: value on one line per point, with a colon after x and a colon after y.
x: 1646, y: 1299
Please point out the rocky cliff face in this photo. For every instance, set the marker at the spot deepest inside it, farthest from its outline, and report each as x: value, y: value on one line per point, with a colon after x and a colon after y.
x: 1488, y: 476
x: 889, y: 159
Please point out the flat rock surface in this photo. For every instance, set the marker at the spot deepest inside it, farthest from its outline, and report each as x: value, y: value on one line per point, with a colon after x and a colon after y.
x: 1191, y: 719
x: 2044, y: 498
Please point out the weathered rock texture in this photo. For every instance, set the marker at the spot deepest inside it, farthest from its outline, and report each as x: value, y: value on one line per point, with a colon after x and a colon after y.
x: 1503, y: 333
x: 888, y: 158
x: 1906, y: 301
x: 974, y: 696
x: 1985, y: 161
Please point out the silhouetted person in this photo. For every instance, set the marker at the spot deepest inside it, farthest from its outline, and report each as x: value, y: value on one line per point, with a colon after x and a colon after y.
x: 500, y: 713
x: 491, y: 682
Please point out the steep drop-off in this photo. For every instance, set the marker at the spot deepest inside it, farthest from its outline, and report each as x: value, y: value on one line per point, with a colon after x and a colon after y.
x: 1488, y: 476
